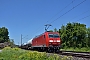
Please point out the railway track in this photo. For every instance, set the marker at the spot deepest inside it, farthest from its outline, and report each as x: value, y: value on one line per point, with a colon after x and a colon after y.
x: 85, y: 55
x: 75, y: 55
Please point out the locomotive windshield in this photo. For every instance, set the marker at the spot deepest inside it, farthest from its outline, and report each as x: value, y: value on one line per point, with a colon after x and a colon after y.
x: 53, y: 36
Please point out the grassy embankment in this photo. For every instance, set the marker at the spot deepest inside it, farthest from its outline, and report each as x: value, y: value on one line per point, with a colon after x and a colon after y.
x: 84, y: 49
x: 19, y: 54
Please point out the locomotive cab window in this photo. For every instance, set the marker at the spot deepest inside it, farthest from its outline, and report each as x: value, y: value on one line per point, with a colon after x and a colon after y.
x: 53, y: 36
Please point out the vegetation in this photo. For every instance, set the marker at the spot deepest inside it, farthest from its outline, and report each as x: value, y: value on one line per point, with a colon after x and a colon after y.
x: 19, y: 54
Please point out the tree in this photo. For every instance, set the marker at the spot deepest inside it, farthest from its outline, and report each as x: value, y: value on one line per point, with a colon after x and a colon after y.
x: 73, y: 35
x: 4, y: 35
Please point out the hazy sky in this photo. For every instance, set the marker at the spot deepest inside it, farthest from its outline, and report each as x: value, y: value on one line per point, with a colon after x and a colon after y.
x: 28, y: 17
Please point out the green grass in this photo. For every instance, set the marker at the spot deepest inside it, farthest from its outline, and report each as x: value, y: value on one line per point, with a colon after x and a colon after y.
x: 84, y: 49
x: 19, y: 54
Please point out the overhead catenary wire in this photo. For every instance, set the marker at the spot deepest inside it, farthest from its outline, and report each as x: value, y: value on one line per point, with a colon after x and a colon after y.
x: 64, y: 13
x: 68, y: 10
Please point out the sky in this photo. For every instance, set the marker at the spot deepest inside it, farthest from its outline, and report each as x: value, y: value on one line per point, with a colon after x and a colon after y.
x: 28, y: 17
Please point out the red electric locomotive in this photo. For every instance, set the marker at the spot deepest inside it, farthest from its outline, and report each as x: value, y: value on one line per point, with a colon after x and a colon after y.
x: 49, y: 41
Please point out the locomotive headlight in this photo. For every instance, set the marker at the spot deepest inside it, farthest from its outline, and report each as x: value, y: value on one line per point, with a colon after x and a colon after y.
x: 58, y: 40
x: 50, y: 40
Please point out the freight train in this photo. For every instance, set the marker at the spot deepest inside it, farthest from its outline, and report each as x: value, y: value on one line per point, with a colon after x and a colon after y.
x: 48, y: 41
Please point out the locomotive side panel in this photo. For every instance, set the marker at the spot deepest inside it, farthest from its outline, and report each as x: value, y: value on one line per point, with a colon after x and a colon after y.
x: 40, y: 41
